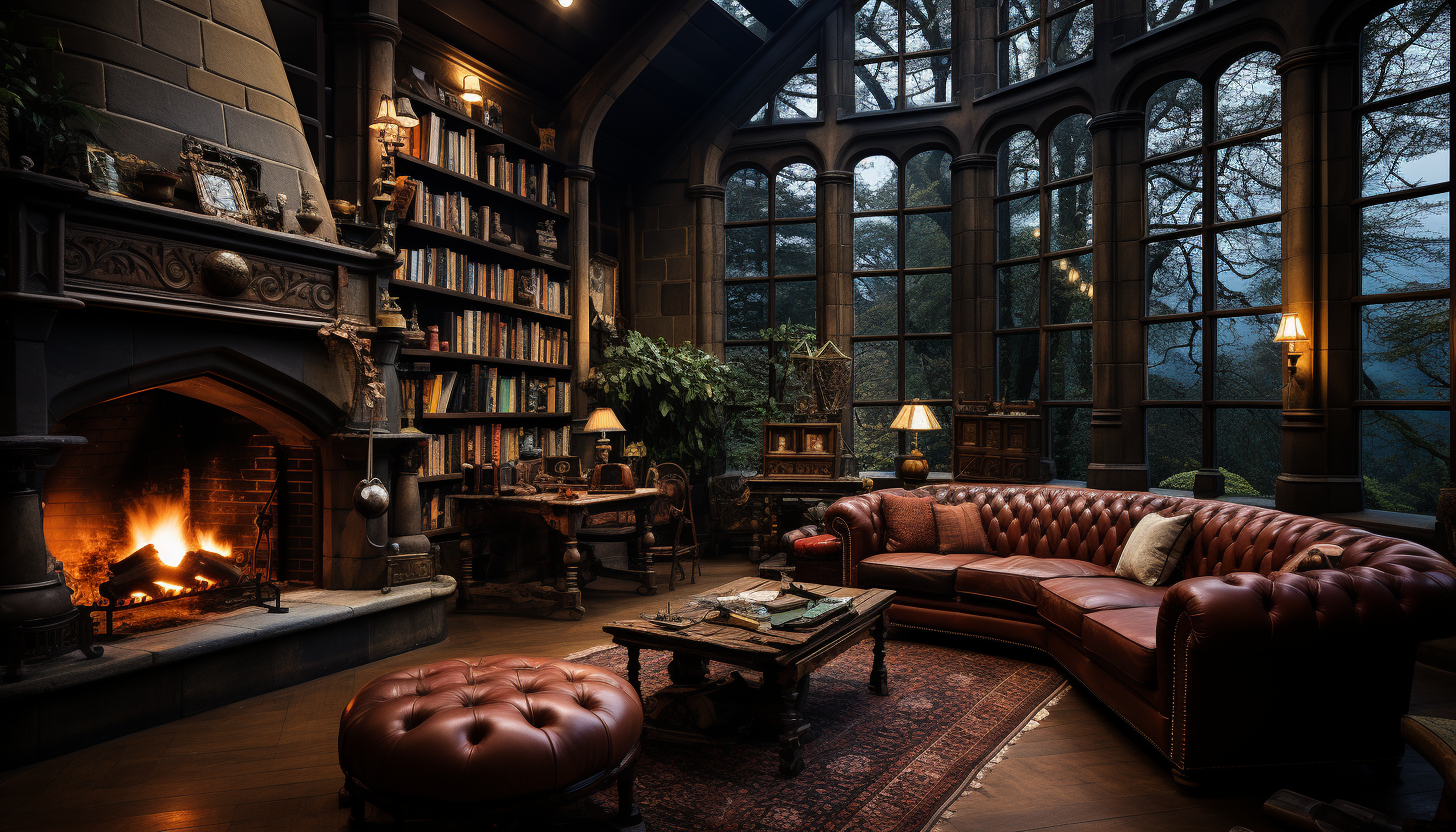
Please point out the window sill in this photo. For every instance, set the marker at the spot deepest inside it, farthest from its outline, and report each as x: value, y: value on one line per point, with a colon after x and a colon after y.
x: 1417, y: 528
x: 1020, y: 85
x: 930, y: 108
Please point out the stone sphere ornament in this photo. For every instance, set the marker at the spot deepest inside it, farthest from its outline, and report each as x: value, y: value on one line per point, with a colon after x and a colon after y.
x: 371, y: 498
x: 226, y: 273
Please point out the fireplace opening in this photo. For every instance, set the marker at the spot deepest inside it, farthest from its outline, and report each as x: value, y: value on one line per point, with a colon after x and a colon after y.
x: 164, y: 502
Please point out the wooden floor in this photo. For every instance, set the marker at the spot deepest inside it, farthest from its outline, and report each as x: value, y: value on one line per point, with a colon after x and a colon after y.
x: 269, y: 763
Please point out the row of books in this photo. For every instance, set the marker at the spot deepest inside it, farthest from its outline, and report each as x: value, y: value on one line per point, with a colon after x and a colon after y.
x: 522, y: 178
x: 456, y: 271
x: 437, y: 510
x: 485, y: 390
x: 491, y: 334
x: 446, y: 453
x: 451, y: 211
x: 454, y: 150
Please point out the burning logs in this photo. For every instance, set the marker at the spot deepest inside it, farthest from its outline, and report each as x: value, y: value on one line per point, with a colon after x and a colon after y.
x: 143, y: 576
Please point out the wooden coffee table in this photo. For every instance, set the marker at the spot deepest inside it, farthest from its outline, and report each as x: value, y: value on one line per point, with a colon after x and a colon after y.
x: 786, y: 659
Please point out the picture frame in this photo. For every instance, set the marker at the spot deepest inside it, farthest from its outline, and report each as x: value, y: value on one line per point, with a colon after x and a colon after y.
x: 601, y: 279
x: 419, y: 82
x: 109, y: 172
x: 448, y: 97
x: 222, y: 188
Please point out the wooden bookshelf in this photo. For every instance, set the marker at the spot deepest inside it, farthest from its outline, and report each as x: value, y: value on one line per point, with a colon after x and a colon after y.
x: 447, y: 175
x: 450, y: 239
x: 479, y: 300
x: 517, y: 417
x: 439, y: 478
x: 491, y: 135
x: 486, y: 359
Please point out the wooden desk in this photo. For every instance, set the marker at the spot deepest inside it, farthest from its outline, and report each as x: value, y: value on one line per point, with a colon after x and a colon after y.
x: 785, y: 658
x: 563, y: 517
x: 768, y: 496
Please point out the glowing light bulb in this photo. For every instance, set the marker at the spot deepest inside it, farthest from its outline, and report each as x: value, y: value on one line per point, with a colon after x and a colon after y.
x: 1074, y: 274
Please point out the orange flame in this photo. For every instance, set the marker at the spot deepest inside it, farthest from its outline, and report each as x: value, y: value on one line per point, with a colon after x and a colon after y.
x: 164, y: 523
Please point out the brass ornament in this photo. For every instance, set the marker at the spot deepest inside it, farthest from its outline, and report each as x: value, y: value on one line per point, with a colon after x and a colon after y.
x: 226, y: 273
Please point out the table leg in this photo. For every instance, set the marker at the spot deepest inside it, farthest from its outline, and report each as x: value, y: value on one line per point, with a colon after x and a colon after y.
x: 571, y: 557
x: 793, y: 728
x: 634, y: 668
x: 644, y: 551
x: 686, y: 669
x: 879, y: 676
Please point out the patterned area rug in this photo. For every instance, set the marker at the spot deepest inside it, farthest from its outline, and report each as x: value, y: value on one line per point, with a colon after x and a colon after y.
x: 889, y: 764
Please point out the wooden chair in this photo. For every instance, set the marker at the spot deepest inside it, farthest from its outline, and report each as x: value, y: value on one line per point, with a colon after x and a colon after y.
x: 672, y: 534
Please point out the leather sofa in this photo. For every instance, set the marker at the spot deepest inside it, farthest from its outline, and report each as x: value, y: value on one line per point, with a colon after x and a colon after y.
x: 1234, y: 666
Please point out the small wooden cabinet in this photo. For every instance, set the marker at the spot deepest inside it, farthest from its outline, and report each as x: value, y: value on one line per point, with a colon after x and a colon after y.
x: 808, y: 450
x: 995, y: 447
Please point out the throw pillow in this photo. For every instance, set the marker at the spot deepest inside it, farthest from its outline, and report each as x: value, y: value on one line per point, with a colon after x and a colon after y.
x: 1155, y: 548
x: 909, y: 524
x: 960, y: 530
x: 1317, y: 556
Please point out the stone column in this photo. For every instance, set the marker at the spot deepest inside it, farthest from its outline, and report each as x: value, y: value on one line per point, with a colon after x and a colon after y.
x: 973, y: 277
x: 1320, y: 466
x: 364, y: 43
x: 835, y: 232
x: 1119, y: 363
x: 710, y: 254
x: 580, y: 247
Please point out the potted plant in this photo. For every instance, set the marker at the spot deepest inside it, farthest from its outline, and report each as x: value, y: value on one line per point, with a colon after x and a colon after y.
x: 43, y: 121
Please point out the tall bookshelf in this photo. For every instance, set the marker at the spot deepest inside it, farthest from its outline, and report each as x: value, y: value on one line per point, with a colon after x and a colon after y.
x: 502, y: 311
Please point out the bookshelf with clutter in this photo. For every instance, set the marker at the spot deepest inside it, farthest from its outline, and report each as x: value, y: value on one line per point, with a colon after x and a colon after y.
x: 485, y: 284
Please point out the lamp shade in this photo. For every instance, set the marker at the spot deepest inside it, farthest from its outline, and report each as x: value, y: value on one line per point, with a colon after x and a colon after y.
x: 603, y: 419
x: 1290, y: 329
x: 386, y: 115
x: 915, y: 416
x: 404, y: 113
x: 470, y: 89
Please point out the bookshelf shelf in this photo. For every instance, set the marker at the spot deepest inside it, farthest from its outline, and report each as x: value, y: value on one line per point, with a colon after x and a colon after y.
x: 446, y: 530
x: 505, y: 306
x: 471, y: 182
x: 485, y: 359
x: 517, y: 417
x: 450, y: 237
x: 439, y: 478
x: 492, y: 135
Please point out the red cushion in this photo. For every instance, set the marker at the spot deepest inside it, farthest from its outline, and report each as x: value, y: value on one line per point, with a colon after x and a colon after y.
x: 1015, y: 578
x: 960, y: 529
x: 909, y: 524
x: 1126, y: 639
x: 923, y: 572
x: 818, y: 546
x: 1064, y: 601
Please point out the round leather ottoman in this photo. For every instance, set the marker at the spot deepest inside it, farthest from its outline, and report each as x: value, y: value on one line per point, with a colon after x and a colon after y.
x: 503, y: 734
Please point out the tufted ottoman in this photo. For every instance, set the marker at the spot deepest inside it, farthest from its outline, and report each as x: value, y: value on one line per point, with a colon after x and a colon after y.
x: 506, y: 735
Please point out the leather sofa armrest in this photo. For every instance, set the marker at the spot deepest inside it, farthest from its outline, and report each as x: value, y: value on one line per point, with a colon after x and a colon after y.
x: 818, y: 547
x: 856, y: 521
x: 793, y: 536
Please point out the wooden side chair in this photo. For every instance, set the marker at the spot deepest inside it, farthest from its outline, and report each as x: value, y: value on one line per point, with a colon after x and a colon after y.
x: 672, y: 535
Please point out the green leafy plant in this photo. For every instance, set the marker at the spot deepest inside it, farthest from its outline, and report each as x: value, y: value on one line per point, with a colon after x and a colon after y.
x: 1233, y: 484
x: 670, y: 398
x: 42, y: 115
x: 763, y: 396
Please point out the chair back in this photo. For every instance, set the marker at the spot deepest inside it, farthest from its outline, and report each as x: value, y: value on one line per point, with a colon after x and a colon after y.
x: 674, y: 505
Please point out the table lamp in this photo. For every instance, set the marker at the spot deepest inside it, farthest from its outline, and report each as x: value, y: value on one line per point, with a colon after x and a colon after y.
x: 607, y: 476
x: 914, y: 417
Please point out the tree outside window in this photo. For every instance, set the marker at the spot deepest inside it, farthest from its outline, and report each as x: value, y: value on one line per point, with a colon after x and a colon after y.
x: 902, y: 54
x: 1038, y: 36
x: 797, y: 100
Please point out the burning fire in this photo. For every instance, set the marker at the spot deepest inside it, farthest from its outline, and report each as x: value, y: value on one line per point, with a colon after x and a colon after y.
x: 164, y: 523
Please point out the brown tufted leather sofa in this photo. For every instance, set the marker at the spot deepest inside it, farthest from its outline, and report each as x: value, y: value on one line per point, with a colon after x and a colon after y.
x: 1235, y: 665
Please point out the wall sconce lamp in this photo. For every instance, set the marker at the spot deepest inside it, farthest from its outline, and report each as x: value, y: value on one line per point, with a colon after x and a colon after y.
x: 470, y: 90
x: 1291, y: 332
x: 393, y: 119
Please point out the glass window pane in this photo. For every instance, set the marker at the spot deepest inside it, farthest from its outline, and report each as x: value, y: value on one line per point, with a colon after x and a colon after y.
x: 1018, y: 296
x: 1163, y: 12
x: 927, y: 302
x: 745, y: 195
x: 1069, y: 364
x: 1403, y: 457
x: 876, y: 86
x: 1406, y: 49
x: 1018, y: 227
x: 876, y: 184
x: 1248, y: 179
x: 1247, y: 444
x: 1247, y: 96
x: 935, y: 444
x: 753, y: 359
x: 794, y: 248
x: 1016, y: 13
x: 747, y: 251
x: 1406, y: 145
x: 1071, y: 441
x: 1175, y: 361
x: 927, y: 179
x: 876, y: 370
x: 1405, y: 246
x: 876, y: 305
x: 1406, y: 350
x: 760, y: 117
x: 1069, y: 289
x: 1175, y: 445
x: 1018, y: 164
x: 1248, y: 359
x: 927, y: 240
x: 1248, y: 267
x: 794, y: 190
x: 736, y: 10
x: 1071, y: 148
x: 927, y: 368
x: 794, y: 302
x: 799, y: 98
x: 747, y: 311
x: 927, y: 25
x: 876, y: 243
x: 1175, y: 194
x: 1018, y: 366
x: 1175, y: 276
x: 877, y: 29
x: 927, y: 80
x: 1020, y: 57
x: 1071, y: 220
x: 875, y: 445
x: 1072, y: 37
x: 1175, y: 116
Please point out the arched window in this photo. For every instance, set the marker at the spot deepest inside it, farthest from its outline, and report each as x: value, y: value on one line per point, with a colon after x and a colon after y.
x: 1212, y: 277
x: 1044, y: 283
x: 902, y: 260
x: 1404, y: 296
x: 1036, y: 37
x: 1162, y: 12
x: 797, y: 100
x: 902, y: 54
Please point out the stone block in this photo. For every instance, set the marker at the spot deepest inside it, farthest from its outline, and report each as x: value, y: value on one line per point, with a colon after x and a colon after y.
x: 681, y: 215
x: 133, y: 94
x: 246, y: 16
x: 684, y: 330
x: 647, y: 299
x: 406, y: 628
x: 242, y: 59
x: 267, y: 104
x: 148, y: 141
x: 651, y: 270
x: 681, y: 268
x: 116, y: 17
x: 114, y: 50
x: 172, y: 31
x: 655, y: 327
x: 677, y: 298
x: 86, y: 75
x: 201, y: 7
x: 671, y: 242
x: 216, y: 87
x: 261, y: 136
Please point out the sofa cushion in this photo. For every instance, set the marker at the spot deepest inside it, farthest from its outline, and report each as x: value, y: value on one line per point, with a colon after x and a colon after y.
x: 909, y: 524
x: 1155, y: 547
x: 1064, y: 601
x: 1015, y: 578
x: 923, y: 572
x: 1127, y: 639
x: 959, y: 529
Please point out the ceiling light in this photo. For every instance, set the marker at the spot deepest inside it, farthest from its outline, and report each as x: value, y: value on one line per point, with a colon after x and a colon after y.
x: 565, y: 4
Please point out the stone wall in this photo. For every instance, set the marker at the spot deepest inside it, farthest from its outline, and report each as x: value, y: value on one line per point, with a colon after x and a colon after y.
x: 160, y: 70
x: 664, y: 253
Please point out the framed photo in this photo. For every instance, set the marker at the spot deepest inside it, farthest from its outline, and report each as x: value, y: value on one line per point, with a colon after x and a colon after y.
x: 451, y: 100
x: 564, y: 468
x: 601, y: 279
x: 222, y: 188
x: 814, y: 443
x: 419, y: 82
x: 112, y: 173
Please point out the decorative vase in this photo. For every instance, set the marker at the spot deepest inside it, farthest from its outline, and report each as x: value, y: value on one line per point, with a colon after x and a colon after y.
x: 159, y: 186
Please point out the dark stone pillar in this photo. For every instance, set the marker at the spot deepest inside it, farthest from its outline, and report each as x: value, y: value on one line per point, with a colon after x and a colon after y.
x: 973, y: 277
x: 580, y: 247
x: 836, y: 257
x: 1320, y: 466
x: 364, y: 42
x: 1119, y: 437
x: 710, y: 254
